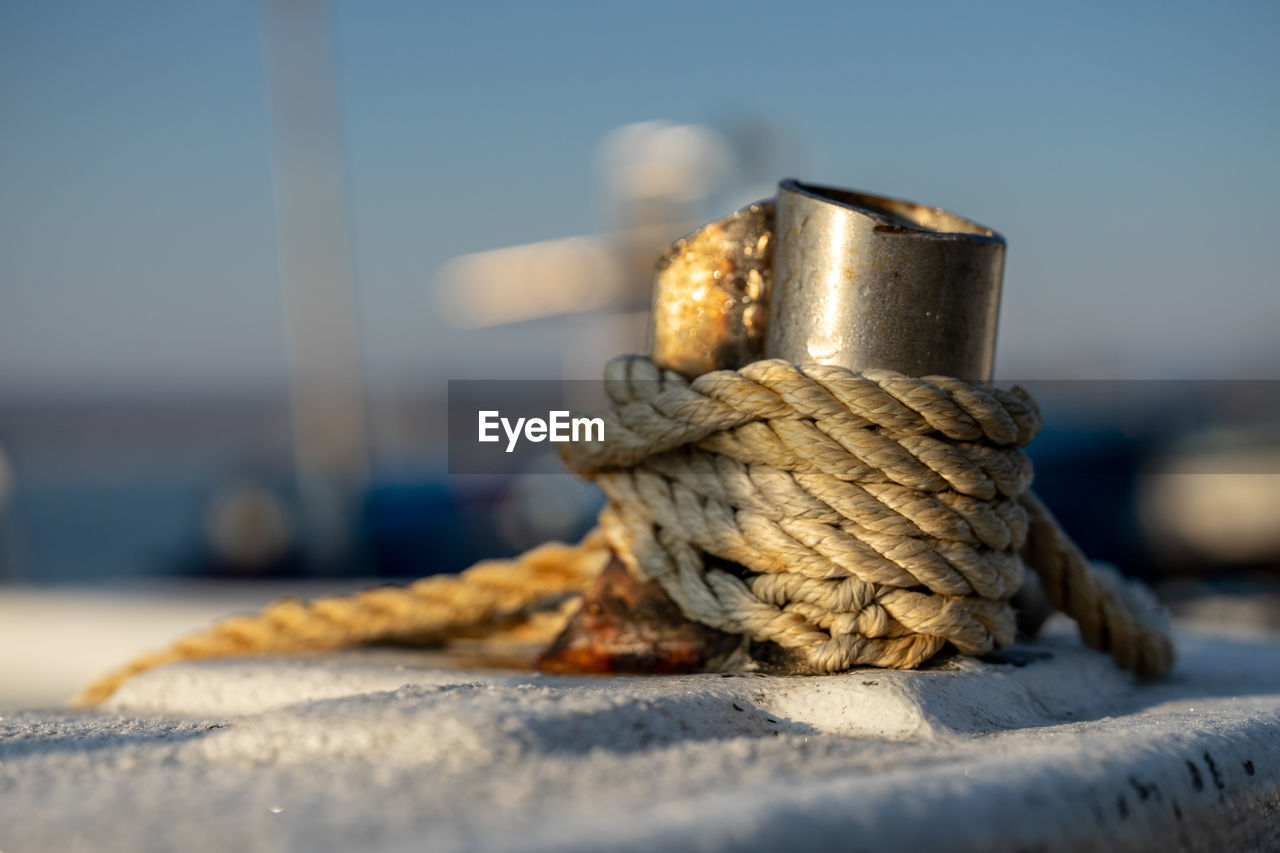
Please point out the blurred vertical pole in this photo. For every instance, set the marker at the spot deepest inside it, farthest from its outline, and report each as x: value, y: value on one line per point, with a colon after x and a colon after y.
x: 8, y: 565
x: 330, y: 442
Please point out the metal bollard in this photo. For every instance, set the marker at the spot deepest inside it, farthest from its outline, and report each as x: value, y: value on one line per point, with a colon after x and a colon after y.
x: 818, y: 274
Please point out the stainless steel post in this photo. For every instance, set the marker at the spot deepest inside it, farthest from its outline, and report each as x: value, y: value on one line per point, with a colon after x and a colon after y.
x: 863, y: 281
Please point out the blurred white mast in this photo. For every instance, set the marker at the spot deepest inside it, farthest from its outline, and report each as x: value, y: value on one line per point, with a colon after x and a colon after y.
x: 330, y: 433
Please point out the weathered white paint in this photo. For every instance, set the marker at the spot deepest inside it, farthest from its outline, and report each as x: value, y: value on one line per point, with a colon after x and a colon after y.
x: 384, y: 751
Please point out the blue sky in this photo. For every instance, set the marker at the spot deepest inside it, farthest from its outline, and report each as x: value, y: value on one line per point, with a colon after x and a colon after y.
x: 1127, y: 151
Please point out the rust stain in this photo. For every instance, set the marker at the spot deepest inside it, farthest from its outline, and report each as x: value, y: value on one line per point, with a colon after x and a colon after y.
x: 626, y: 625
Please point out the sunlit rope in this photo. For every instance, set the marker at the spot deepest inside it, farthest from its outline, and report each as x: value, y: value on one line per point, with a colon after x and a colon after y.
x: 877, y: 517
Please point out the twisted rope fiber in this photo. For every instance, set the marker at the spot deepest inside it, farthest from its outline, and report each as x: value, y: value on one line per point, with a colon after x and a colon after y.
x: 520, y: 599
x: 879, y: 516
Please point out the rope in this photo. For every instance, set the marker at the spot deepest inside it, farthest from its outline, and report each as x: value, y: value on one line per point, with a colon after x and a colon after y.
x: 878, y: 517
x: 518, y: 599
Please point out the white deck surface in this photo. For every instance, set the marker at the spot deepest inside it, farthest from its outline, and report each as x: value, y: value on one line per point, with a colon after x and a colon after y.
x: 384, y: 751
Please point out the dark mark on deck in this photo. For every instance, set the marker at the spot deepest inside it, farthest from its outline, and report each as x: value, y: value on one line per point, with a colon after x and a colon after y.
x: 1248, y: 767
x: 1213, y: 769
x: 1015, y: 657
x: 1197, y: 781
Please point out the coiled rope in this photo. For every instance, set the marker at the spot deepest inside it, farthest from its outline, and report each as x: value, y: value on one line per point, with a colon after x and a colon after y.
x: 880, y: 516
x: 877, y: 517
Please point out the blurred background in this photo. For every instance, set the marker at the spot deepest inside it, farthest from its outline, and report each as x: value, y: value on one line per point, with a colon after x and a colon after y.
x: 245, y: 245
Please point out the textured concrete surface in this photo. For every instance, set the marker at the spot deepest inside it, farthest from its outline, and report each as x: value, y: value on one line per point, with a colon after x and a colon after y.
x: 1044, y: 747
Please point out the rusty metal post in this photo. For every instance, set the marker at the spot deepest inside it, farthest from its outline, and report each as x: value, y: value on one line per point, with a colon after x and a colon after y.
x: 710, y: 303
x: 711, y: 294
